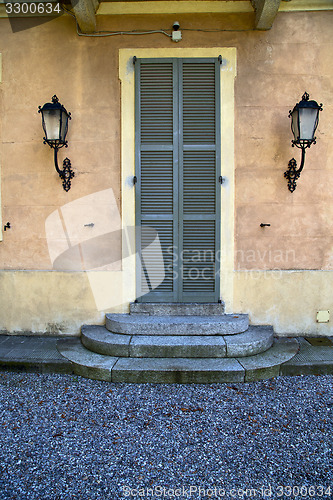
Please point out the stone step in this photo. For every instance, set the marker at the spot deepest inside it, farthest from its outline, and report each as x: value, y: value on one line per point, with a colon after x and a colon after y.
x: 98, y: 339
x: 177, y: 309
x: 136, y: 324
x: 178, y: 370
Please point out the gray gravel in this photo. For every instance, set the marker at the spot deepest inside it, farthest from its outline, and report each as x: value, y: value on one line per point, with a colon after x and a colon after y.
x: 66, y: 437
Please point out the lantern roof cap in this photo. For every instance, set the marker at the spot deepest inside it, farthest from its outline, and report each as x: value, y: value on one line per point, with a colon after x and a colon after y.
x: 55, y: 104
x: 306, y: 103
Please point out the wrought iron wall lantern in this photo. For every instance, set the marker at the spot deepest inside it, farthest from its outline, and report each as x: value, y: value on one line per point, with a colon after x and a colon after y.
x: 55, y: 124
x: 304, y: 122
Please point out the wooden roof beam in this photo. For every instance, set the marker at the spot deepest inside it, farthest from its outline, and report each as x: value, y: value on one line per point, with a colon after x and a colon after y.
x: 265, y: 11
x: 84, y: 11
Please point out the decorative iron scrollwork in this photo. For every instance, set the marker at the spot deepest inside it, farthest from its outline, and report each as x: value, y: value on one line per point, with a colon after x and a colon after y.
x: 66, y: 174
x: 292, y: 174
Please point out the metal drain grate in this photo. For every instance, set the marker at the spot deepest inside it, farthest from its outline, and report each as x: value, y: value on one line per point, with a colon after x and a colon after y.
x: 319, y: 341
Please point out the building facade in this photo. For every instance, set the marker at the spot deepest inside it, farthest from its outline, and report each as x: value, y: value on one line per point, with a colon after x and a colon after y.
x: 179, y: 139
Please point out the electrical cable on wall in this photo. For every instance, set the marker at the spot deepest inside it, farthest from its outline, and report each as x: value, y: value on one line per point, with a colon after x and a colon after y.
x: 145, y: 32
x: 113, y: 33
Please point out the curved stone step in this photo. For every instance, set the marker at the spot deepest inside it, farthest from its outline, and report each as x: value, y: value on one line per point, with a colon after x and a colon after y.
x: 86, y: 363
x: 136, y: 324
x: 99, y: 339
x: 268, y: 364
x: 256, y: 339
x: 178, y: 370
x: 177, y: 309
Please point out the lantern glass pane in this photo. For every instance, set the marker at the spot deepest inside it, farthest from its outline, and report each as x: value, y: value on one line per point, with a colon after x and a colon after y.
x: 294, y: 124
x: 307, y: 123
x: 64, y: 126
x: 51, y: 118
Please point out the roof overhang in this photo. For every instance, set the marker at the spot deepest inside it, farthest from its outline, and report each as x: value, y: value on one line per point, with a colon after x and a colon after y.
x: 264, y: 11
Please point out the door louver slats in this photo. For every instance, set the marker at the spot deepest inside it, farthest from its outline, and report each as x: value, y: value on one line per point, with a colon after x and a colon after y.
x: 199, y: 256
x: 199, y: 103
x: 157, y: 182
x: 199, y: 178
x: 156, y: 95
x: 154, y: 272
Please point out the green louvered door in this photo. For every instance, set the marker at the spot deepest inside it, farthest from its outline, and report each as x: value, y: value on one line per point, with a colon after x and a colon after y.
x: 177, y: 130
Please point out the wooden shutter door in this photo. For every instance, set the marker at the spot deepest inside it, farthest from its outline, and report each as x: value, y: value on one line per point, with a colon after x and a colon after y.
x: 177, y: 168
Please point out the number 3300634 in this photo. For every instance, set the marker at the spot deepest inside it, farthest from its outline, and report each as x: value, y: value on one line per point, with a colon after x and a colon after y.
x: 27, y: 8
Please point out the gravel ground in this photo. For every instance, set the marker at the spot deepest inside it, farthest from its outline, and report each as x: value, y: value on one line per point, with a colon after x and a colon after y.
x: 66, y: 437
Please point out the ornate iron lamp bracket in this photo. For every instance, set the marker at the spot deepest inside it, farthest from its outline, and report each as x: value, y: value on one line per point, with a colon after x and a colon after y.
x: 66, y: 174
x: 292, y: 174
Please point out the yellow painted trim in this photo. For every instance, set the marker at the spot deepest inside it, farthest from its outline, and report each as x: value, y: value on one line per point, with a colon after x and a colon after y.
x: 306, y: 5
x: 41, y: 302
x: 268, y: 297
x: 3, y: 12
x: 174, y: 7
x: 228, y: 171
x: 1, y: 236
x: 204, y: 6
x: 1, y: 228
x: 228, y: 73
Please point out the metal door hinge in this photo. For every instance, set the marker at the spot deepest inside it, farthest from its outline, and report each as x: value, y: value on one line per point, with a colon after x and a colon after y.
x: 135, y: 179
x: 222, y: 179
